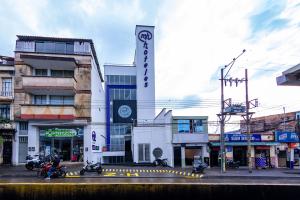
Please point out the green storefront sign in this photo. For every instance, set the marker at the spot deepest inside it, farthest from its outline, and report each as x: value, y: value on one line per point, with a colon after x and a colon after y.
x: 56, y: 132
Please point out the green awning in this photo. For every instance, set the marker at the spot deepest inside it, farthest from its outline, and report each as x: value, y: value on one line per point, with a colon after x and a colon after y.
x: 216, y: 144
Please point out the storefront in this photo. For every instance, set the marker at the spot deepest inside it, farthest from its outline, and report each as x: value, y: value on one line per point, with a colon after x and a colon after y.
x: 66, y: 142
x: 288, y: 149
x: 6, y: 146
x: 262, y: 149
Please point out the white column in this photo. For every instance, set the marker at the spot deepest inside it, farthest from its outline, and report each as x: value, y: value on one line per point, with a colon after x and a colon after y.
x: 33, y: 139
x: 182, y: 157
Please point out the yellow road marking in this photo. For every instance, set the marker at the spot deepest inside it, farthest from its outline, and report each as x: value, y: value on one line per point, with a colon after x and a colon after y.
x: 110, y: 174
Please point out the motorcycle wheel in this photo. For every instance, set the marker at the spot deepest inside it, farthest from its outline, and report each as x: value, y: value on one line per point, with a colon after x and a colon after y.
x: 99, y: 170
x: 29, y: 167
x: 82, y: 172
x: 63, y: 174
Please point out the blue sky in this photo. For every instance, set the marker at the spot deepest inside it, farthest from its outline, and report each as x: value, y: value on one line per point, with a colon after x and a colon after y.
x: 192, y: 40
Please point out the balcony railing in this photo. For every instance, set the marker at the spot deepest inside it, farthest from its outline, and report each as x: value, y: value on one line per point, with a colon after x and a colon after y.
x: 63, y: 112
x: 31, y: 83
x: 6, y: 93
x: 190, y: 138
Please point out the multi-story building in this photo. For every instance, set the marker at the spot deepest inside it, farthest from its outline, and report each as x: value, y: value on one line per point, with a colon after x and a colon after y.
x: 7, y: 127
x: 190, y: 139
x: 130, y: 97
x: 59, y: 98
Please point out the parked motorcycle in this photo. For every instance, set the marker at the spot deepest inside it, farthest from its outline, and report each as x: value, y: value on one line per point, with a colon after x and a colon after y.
x: 199, y: 166
x: 60, y: 170
x: 91, y: 167
x: 33, y: 162
x: 233, y: 164
x: 161, y: 162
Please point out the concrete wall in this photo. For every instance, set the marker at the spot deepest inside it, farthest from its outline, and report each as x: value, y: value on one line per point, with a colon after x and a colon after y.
x: 158, y: 136
x: 97, y: 115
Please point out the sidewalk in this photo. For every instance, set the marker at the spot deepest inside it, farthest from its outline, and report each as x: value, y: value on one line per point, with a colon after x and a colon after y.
x: 263, y: 173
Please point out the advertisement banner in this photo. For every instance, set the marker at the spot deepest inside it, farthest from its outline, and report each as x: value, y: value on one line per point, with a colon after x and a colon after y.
x: 124, y: 111
x: 58, y: 132
x: 242, y: 138
x: 287, y: 137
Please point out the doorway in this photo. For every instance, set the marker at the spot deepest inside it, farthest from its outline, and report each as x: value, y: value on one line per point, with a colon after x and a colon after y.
x: 240, y: 154
x: 128, y: 152
x: 7, y: 151
x: 177, y: 156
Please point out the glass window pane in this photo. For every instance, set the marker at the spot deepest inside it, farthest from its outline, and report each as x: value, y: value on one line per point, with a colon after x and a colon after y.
x: 41, y: 72
x: 5, y: 111
x: 58, y: 100
x: 117, y: 80
x: 127, y: 80
x: 68, y: 100
x: 198, y: 126
x: 133, y: 80
x: 49, y: 47
x: 183, y: 126
x: 141, y: 152
x: 57, y: 73
x: 127, y: 94
x: 147, y: 152
x: 122, y: 80
x: 70, y: 48
x: 60, y: 47
x: 39, y: 46
x: 133, y: 94
x: 68, y: 73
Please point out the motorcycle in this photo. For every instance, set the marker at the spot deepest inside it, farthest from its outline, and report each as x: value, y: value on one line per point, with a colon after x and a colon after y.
x: 199, y: 166
x: 161, y: 162
x: 233, y: 164
x: 91, y: 167
x: 60, y: 171
x: 33, y: 162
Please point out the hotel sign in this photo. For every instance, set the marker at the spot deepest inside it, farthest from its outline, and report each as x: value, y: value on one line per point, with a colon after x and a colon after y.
x: 145, y: 36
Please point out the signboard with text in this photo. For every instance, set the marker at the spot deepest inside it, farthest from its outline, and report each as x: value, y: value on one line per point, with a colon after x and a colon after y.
x: 287, y: 137
x: 242, y: 138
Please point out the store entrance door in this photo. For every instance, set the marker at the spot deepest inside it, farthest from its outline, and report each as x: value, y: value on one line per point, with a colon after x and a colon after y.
x: 240, y: 154
x: 66, y: 149
x: 177, y: 156
x: 7, y: 151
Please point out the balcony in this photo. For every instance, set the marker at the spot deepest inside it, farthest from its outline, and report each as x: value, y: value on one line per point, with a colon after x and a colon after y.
x: 46, y: 112
x: 190, y: 138
x: 6, y: 96
x: 50, y: 85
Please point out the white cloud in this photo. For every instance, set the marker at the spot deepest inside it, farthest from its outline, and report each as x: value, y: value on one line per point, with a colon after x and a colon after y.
x: 197, y: 37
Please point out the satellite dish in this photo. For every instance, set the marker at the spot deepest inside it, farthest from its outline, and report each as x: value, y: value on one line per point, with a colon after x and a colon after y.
x: 157, y: 152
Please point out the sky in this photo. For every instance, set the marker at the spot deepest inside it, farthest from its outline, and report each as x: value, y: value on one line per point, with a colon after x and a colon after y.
x: 193, y: 41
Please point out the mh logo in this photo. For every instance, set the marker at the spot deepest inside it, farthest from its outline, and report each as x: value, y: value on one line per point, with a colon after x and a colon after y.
x: 144, y: 35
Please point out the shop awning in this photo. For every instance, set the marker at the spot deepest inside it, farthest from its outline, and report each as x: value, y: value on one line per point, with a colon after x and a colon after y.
x: 215, y: 144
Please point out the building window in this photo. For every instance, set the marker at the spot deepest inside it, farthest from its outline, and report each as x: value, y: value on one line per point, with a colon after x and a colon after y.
x: 41, y: 72
x: 183, y: 126
x: 61, y: 100
x: 40, y: 99
x: 5, y: 111
x: 62, y: 73
x: 121, y: 80
x: 6, y: 87
x: 197, y: 126
x: 144, y: 152
x: 23, y: 126
x: 54, y: 47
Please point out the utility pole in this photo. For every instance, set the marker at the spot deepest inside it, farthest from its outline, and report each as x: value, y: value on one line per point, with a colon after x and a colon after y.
x: 222, y: 124
x: 235, y: 109
x: 248, y: 124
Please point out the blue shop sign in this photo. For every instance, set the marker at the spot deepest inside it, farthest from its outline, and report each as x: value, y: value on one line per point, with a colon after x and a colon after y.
x: 286, y: 137
x: 242, y: 138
